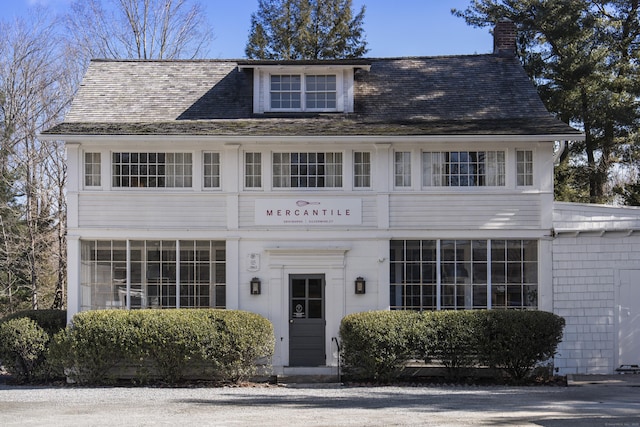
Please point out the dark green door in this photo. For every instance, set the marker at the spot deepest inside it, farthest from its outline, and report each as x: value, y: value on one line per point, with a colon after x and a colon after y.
x: 306, y: 320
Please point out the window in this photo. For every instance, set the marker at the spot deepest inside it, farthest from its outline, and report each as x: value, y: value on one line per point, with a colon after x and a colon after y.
x: 161, y: 274
x: 402, y: 169
x: 463, y: 169
x: 303, y: 92
x: 362, y: 169
x: 307, y: 170
x: 253, y: 170
x: 92, y: 169
x: 463, y: 274
x: 524, y: 167
x: 211, y: 170
x: 152, y: 170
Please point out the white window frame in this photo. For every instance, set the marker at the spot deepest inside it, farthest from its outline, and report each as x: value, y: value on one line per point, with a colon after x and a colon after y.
x: 213, y: 165
x: 94, y: 173
x: 179, y: 170
x: 304, y: 91
x: 525, y: 168
x: 441, y: 174
x: 402, y: 169
x: 259, y: 164
x: 334, y: 170
x: 362, y: 170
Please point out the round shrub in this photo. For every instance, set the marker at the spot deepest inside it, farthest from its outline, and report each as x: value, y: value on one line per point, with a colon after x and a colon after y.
x: 23, y: 347
x: 52, y: 321
x: 376, y: 344
x: 517, y: 341
x: 169, y: 345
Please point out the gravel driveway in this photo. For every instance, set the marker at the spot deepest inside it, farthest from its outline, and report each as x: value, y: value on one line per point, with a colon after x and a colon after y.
x: 322, y: 405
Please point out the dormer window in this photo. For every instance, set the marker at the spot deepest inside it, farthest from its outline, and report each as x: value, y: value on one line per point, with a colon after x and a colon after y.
x: 316, y: 87
x: 303, y: 92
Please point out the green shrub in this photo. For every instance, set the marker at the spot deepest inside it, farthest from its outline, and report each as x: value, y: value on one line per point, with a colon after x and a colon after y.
x: 23, y: 347
x: 94, y: 343
x: 376, y: 344
x: 52, y: 321
x: 168, y: 344
x: 518, y: 340
x: 451, y: 338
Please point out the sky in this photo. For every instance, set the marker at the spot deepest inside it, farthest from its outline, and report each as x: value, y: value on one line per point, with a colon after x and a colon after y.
x: 392, y: 27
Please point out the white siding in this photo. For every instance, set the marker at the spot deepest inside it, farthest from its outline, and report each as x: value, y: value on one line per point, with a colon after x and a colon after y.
x: 143, y: 211
x: 465, y: 211
x: 593, y: 244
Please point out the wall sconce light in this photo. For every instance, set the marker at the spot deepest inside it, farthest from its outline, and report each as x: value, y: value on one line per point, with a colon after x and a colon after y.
x: 361, y: 285
x: 255, y: 286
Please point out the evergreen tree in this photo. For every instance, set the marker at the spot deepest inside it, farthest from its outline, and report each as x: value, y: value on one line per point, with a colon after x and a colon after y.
x: 583, y: 56
x: 306, y: 29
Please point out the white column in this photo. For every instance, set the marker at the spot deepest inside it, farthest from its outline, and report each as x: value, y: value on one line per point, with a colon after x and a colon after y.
x: 73, y: 276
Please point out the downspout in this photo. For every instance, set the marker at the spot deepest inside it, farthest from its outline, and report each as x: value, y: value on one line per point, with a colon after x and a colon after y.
x: 558, y: 154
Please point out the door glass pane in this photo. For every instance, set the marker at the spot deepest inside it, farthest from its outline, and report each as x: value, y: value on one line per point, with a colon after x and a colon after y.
x: 298, y: 288
x: 315, y: 288
x: 315, y: 309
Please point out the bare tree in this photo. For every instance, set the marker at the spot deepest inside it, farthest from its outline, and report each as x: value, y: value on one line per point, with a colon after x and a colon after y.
x: 139, y: 29
x: 35, y: 93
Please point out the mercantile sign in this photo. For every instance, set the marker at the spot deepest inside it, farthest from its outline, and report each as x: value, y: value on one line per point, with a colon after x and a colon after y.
x: 308, y: 211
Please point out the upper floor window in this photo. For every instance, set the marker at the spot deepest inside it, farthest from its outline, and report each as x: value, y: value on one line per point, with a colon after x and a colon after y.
x: 303, y: 92
x: 524, y: 168
x: 253, y: 170
x: 307, y: 170
x: 211, y: 170
x: 92, y: 169
x: 362, y: 169
x: 153, y: 170
x: 463, y: 169
x: 402, y: 168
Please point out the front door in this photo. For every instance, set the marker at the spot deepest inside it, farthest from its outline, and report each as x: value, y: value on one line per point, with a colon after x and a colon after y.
x: 628, y: 305
x: 306, y: 320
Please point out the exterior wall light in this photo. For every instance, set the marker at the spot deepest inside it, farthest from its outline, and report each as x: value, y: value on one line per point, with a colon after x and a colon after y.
x: 361, y: 285
x: 255, y: 286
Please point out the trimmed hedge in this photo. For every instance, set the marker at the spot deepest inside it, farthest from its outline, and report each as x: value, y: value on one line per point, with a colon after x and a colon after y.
x: 25, y: 337
x: 166, y: 344
x: 377, y: 345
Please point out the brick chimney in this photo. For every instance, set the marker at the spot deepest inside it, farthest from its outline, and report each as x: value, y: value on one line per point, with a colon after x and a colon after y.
x: 504, y: 38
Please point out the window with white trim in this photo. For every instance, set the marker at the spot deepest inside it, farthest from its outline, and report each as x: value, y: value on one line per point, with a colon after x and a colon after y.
x: 524, y: 168
x: 152, y: 170
x: 362, y: 169
x: 253, y: 170
x: 402, y: 168
x: 463, y: 169
x: 303, y: 92
x: 92, y: 169
x: 463, y: 274
x: 211, y: 169
x: 152, y: 274
x: 307, y: 170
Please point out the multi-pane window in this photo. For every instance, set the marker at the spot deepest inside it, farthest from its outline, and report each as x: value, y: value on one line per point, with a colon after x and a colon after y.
x: 92, y: 169
x: 463, y: 169
x: 253, y: 170
x: 153, y: 170
x: 158, y: 274
x: 211, y: 170
x: 303, y: 92
x: 524, y: 167
x: 362, y: 169
x: 514, y: 273
x: 463, y: 274
x: 402, y: 168
x: 321, y: 92
x: 307, y: 170
x: 286, y: 92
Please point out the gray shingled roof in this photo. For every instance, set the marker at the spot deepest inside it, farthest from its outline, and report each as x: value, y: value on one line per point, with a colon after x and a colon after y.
x: 474, y: 94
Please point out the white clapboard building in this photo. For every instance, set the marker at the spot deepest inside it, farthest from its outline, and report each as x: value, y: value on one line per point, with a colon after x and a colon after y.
x: 308, y: 190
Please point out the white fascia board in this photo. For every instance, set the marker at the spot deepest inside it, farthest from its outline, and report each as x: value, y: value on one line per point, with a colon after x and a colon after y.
x: 273, y: 139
